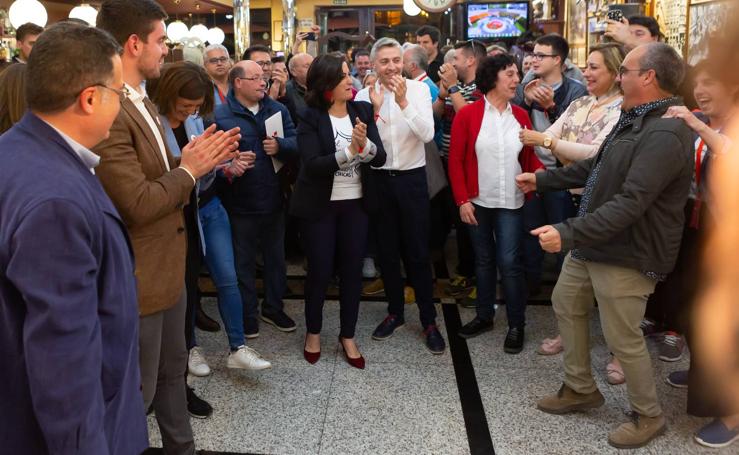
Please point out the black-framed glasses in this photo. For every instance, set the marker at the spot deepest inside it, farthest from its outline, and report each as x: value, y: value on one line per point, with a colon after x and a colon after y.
x: 623, y: 70
x: 263, y: 63
x: 217, y: 60
x: 539, y: 57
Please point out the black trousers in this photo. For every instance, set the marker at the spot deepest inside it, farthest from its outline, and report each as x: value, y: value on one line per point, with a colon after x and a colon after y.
x: 404, y: 232
x: 339, y: 238
x: 193, y: 262
x: 670, y: 304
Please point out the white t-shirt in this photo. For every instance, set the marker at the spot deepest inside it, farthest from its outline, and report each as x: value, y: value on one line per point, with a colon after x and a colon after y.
x: 347, y: 182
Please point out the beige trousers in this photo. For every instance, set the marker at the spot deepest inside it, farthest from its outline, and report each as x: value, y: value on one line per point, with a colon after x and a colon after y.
x: 622, y: 298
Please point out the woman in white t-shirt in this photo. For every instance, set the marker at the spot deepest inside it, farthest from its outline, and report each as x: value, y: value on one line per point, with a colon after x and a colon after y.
x: 338, y: 141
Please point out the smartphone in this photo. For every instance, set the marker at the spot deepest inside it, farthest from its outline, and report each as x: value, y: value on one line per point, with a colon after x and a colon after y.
x: 615, y: 15
x: 311, y: 36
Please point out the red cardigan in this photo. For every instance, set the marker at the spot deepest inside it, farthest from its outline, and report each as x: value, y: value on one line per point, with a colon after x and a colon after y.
x: 463, y: 158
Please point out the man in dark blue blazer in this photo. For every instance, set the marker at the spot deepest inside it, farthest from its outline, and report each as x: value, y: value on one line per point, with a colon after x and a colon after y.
x: 68, y: 310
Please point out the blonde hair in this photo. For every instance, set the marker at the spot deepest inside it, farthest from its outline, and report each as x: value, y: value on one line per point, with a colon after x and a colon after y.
x: 12, y: 95
x: 613, y: 55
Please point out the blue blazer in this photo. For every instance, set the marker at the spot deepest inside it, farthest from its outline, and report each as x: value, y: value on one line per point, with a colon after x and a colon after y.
x: 258, y: 190
x: 193, y: 127
x: 70, y: 381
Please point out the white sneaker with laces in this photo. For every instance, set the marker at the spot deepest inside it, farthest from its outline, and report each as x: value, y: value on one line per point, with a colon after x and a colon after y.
x: 196, y: 363
x: 368, y: 268
x: 246, y: 358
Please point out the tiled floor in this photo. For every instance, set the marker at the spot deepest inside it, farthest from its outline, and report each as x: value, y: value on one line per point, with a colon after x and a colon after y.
x: 407, y: 401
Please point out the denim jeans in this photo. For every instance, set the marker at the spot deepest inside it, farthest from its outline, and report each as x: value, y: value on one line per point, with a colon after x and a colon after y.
x: 497, y: 241
x: 250, y: 232
x: 547, y: 208
x: 219, y: 258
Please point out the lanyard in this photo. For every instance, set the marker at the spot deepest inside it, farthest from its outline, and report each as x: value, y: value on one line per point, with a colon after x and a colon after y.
x: 220, y: 95
x: 423, y: 78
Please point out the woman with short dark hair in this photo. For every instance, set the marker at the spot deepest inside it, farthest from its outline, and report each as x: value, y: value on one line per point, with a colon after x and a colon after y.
x: 338, y: 142
x: 485, y: 156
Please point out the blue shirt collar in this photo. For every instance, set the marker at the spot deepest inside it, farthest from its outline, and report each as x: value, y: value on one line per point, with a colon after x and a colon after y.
x: 88, y: 158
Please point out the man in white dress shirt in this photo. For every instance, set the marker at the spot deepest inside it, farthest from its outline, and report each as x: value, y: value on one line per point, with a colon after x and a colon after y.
x: 405, y: 121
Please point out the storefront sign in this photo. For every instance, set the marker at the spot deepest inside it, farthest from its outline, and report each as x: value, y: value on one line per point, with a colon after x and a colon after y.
x: 339, y: 2
x: 435, y: 6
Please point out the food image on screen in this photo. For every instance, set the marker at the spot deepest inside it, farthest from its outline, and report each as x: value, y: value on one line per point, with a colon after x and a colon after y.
x: 496, y: 20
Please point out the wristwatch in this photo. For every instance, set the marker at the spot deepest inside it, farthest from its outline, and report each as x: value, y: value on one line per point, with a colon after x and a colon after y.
x: 453, y: 89
x: 547, y: 142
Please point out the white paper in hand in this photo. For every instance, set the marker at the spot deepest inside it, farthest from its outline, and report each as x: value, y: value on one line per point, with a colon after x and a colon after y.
x: 273, y: 126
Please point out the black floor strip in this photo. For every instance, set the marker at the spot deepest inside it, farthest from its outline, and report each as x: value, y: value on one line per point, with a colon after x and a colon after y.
x: 475, y: 421
x: 473, y: 412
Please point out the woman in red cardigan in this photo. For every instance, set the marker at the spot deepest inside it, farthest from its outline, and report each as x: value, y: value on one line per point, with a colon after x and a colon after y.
x: 485, y: 155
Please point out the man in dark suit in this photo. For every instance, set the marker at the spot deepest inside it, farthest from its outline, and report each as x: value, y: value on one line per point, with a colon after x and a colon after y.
x: 149, y: 188
x: 69, y: 338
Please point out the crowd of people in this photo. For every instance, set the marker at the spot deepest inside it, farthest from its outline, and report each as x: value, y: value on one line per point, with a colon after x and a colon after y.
x: 143, y: 173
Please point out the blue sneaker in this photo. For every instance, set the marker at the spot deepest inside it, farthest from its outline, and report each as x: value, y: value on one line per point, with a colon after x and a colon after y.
x: 387, y: 327
x: 434, y: 340
x: 716, y: 435
x: 678, y: 379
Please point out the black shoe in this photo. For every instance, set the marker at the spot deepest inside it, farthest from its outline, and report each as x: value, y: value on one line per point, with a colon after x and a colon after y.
x: 251, y: 328
x: 196, y: 406
x: 387, y: 327
x: 475, y: 327
x: 434, y: 340
x: 280, y: 320
x: 514, y: 340
x: 204, y: 322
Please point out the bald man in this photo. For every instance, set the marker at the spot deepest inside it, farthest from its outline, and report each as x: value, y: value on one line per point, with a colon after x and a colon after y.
x: 296, y: 87
x: 254, y: 200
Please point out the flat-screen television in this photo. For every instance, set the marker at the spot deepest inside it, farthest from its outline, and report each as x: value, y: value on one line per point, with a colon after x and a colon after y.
x: 496, y: 20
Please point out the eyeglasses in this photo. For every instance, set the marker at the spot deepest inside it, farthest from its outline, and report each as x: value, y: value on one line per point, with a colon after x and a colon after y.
x: 264, y: 63
x: 254, y: 78
x: 622, y: 71
x: 540, y: 57
x: 215, y: 61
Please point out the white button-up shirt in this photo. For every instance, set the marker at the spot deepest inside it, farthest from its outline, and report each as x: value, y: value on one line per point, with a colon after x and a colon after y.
x: 404, y: 131
x: 497, y: 149
x: 138, y: 100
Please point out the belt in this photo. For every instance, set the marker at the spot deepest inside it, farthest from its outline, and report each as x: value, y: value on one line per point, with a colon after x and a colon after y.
x: 397, y: 173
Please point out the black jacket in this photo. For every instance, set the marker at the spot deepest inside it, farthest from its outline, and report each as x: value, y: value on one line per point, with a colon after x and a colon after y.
x: 318, y: 164
x: 636, y: 212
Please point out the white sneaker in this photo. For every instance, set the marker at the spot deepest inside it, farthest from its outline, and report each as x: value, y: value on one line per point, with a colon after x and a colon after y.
x: 247, y: 358
x: 368, y: 268
x: 196, y: 364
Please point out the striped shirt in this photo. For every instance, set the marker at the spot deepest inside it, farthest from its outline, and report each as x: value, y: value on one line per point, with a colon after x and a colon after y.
x: 470, y: 94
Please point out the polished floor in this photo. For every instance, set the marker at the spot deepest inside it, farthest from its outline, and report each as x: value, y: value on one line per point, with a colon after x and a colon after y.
x: 472, y: 399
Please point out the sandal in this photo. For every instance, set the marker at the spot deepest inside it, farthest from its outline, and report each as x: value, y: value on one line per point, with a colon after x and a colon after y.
x: 614, y: 373
x: 551, y: 346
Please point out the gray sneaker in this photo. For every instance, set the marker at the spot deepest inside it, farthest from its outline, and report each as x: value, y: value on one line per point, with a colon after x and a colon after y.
x: 671, y: 348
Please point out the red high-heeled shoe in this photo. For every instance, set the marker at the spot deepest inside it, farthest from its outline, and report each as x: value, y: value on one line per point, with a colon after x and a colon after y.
x: 356, y: 363
x: 310, y: 357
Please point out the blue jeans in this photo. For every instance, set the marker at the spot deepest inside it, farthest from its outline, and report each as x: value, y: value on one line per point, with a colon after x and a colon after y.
x: 497, y: 242
x: 268, y: 232
x: 547, y: 208
x: 219, y: 257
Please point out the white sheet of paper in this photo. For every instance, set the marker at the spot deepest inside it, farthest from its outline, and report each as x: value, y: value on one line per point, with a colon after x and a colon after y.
x: 273, y: 126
